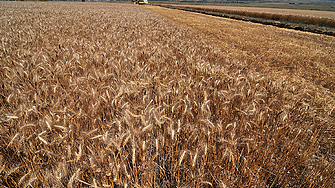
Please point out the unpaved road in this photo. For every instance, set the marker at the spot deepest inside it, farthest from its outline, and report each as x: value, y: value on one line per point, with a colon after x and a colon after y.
x: 305, y: 56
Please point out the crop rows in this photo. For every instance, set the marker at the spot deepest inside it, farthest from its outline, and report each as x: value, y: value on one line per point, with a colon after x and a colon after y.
x: 320, y: 18
x: 111, y: 95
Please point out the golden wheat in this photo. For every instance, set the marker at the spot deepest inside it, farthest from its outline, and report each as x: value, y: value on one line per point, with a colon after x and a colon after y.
x: 325, y: 18
x: 93, y: 96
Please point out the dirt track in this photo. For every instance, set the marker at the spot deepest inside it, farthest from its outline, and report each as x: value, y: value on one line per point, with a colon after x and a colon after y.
x: 303, y: 55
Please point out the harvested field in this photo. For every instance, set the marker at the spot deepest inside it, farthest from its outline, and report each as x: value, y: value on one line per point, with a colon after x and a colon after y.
x: 91, y: 95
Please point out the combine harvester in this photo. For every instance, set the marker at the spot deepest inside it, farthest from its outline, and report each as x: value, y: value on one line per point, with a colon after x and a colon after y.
x: 140, y: 2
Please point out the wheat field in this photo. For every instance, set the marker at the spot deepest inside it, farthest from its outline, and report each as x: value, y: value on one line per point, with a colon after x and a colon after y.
x: 114, y: 95
x: 322, y: 18
x: 282, y: 11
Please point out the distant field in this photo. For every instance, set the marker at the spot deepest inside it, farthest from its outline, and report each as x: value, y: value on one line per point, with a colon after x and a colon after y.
x: 296, y: 12
x: 121, y: 95
x: 321, y: 18
x: 323, y: 6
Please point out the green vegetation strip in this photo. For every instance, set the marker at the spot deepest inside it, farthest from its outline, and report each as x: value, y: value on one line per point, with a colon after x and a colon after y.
x: 307, y: 24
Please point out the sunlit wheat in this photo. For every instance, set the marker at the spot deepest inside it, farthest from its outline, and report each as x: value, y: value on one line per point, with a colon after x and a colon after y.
x: 93, y: 96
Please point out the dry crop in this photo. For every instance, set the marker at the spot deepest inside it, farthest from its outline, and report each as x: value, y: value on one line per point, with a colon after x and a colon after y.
x: 322, y: 18
x: 296, y: 12
x: 109, y: 95
x: 302, y: 56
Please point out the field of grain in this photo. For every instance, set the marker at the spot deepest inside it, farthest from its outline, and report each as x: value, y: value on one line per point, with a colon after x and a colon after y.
x: 322, y: 18
x: 307, y: 56
x: 282, y: 11
x: 115, y: 95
